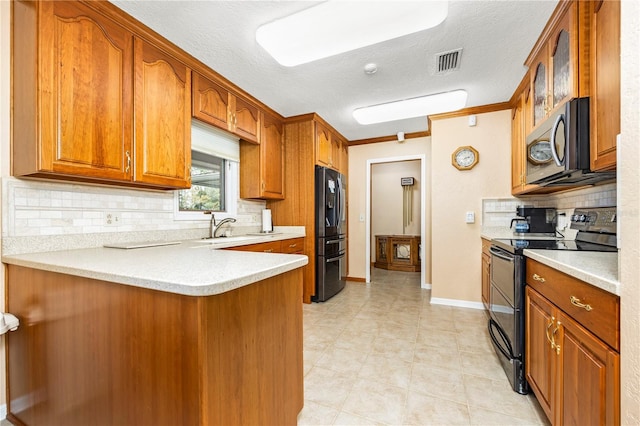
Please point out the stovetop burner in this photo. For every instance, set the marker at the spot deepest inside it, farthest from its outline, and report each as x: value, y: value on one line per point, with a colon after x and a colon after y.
x: 517, y: 245
x: 596, y: 232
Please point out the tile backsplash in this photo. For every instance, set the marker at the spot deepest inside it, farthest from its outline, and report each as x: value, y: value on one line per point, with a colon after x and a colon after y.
x: 32, y: 208
x: 498, y: 212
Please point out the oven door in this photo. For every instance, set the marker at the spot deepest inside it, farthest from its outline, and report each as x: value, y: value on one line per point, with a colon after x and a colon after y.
x: 506, y: 323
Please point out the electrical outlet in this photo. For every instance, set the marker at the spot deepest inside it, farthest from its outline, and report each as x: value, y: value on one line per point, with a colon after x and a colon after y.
x: 112, y: 218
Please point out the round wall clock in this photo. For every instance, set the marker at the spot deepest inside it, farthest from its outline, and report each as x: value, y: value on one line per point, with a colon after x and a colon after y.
x: 465, y: 158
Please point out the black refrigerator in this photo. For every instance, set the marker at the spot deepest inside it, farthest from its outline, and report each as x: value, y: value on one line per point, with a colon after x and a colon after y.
x: 331, y: 221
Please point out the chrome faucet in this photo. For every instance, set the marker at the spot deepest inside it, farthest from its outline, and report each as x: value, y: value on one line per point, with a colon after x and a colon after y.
x: 213, y: 226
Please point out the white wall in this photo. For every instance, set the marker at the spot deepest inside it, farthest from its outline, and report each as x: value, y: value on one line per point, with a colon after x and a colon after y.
x: 387, y: 200
x: 456, y: 245
x: 629, y: 213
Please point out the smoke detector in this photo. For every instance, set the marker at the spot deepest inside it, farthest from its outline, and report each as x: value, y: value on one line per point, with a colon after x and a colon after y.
x: 449, y: 61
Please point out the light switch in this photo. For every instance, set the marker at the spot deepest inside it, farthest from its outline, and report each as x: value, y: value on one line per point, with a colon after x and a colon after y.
x: 472, y: 120
x: 470, y: 217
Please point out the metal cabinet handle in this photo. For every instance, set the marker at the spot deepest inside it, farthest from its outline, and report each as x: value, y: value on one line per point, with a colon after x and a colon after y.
x: 292, y: 245
x: 537, y: 277
x: 549, y: 338
x: 576, y: 302
x: 553, y: 336
x: 128, y: 154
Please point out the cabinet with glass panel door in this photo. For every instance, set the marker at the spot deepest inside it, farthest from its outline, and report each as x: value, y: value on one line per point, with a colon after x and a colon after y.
x: 555, y: 72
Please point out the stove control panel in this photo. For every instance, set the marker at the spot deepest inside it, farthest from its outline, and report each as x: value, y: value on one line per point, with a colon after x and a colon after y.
x: 600, y: 219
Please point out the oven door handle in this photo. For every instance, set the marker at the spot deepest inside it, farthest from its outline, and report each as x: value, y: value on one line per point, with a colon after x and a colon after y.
x: 500, y: 254
x: 508, y: 353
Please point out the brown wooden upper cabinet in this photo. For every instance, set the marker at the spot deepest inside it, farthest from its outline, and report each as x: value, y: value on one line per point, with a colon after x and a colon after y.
x: 328, y: 148
x: 262, y: 167
x: 554, y: 68
x: 214, y: 104
x: 162, y: 118
x: 605, y: 82
x: 73, y: 103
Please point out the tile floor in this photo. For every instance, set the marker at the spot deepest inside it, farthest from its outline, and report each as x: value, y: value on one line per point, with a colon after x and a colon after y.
x: 381, y: 354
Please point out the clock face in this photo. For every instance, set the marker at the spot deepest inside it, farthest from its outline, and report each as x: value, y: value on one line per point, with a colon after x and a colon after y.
x: 464, y: 158
x: 540, y: 152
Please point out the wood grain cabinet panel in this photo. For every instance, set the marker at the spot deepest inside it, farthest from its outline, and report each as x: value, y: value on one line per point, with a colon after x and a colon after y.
x: 163, y: 118
x: 572, y: 361
x: 216, y: 105
x: 486, y: 273
x: 263, y: 167
x: 72, y: 104
x: 323, y: 146
x: 558, y: 69
x: 80, y: 77
x: 92, y: 352
x: 605, y: 82
x: 210, y: 102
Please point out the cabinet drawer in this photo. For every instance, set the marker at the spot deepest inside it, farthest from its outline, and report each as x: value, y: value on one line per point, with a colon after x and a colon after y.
x: 270, y: 247
x: 603, y: 318
x: 294, y: 245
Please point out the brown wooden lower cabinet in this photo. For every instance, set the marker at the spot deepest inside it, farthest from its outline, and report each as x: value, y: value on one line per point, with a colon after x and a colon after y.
x: 574, y: 374
x: 91, y: 352
x: 290, y: 246
x: 486, y: 272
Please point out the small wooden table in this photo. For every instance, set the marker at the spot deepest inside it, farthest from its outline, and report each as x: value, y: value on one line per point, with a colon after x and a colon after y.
x: 398, y: 252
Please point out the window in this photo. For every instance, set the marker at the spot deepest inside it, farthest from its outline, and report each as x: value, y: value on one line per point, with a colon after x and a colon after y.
x: 214, y: 175
x: 207, y: 185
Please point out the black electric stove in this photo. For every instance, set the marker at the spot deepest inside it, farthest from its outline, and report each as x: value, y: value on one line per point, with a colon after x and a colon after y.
x: 596, y: 232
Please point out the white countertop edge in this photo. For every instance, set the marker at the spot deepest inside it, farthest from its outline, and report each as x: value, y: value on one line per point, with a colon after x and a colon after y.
x: 596, y: 268
x: 294, y: 261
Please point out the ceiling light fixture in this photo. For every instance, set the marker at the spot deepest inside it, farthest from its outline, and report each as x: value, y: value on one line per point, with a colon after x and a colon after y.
x: 335, y: 27
x: 409, y: 108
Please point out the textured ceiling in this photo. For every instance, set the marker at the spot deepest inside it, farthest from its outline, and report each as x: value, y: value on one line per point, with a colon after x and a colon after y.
x: 496, y: 37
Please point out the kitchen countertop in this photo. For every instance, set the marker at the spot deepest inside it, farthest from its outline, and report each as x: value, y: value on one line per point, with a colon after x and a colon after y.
x: 191, y: 268
x: 599, y: 269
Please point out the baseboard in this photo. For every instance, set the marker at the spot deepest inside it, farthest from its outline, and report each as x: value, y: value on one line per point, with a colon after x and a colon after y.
x: 357, y: 279
x: 426, y: 286
x: 3, y: 411
x: 457, y: 303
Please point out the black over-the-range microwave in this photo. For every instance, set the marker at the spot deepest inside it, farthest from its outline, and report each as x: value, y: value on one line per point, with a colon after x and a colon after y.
x: 558, y: 150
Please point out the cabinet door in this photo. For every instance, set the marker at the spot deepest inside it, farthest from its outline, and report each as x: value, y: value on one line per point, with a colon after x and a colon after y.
x: 605, y: 83
x: 272, y: 158
x: 517, y: 148
x: 163, y: 118
x: 210, y: 102
x: 86, y: 98
x: 246, y: 121
x: 323, y: 146
x: 344, y: 158
x: 539, y: 88
x: 334, y: 159
x: 562, y: 73
x: 589, y: 378
x: 486, y: 280
x: 540, y: 356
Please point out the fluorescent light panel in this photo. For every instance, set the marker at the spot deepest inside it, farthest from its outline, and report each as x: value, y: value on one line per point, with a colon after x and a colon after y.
x: 409, y: 108
x: 335, y: 27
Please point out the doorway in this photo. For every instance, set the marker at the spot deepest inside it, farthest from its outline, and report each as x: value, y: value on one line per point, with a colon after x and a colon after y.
x: 422, y: 209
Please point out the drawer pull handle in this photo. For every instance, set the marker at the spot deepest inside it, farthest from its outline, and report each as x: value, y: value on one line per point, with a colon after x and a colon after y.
x: 269, y: 251
x: 576, y: 302
x: 292, y: 245
x: 537, y: 277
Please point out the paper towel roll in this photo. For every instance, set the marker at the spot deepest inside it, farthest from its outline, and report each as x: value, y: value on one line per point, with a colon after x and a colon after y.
x: 267, y: 224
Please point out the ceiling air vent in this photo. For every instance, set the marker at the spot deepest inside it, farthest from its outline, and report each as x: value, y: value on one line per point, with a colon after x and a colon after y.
x: 448, y: 61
